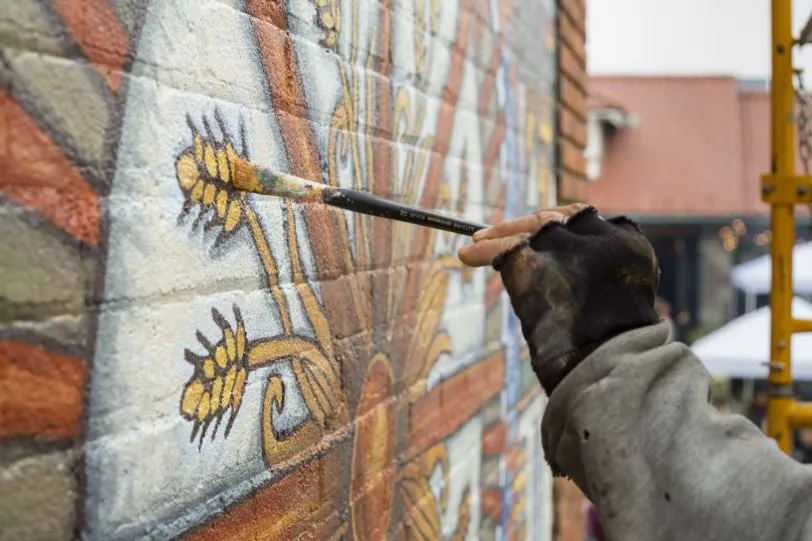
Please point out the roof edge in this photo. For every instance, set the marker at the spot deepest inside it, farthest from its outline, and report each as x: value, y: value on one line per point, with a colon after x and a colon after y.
x: 667, y: 76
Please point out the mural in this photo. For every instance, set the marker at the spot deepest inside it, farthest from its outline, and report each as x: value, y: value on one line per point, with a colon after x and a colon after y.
x: 182, y: 360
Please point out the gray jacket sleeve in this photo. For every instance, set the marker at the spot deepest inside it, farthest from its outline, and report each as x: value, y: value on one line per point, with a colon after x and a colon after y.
x: 633, y: 428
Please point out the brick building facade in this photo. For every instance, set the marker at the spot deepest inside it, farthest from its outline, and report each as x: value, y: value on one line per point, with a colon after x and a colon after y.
x: 688, y: 168
x: 572, y: 132
x: 573, y: 110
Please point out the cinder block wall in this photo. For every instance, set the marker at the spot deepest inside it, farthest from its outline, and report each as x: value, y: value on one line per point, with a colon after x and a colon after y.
x: 179, y: 360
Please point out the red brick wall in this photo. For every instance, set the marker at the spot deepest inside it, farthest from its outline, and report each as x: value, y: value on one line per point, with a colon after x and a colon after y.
x: 572, y: 94
x: 569, y: 501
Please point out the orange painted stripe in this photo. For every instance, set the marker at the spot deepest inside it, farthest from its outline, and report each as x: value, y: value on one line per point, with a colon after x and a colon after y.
x: 528, y: 398
x: 381, y: 157
x: 442, y: 140
x: 298, y: 506
x: 491, y: 499
x: 482, y: 14
x: 517, y: 532
x: 513, y: 77
x: 504, y: 12
x: 514, y: 458
x: 492, y: 289
x: 285, y: 82
x: 495, y: 143
x: 281, y: 65
x: 37, y: 175
x: 435, y: 416
x: 494, y: 438
x: 497, y: 213
x: 489, y: 84
x: 40, y: 392
x: 445, y: 120
x: 99, y: 33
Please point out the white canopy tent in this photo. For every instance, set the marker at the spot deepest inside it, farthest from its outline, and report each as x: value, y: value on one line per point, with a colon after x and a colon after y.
x: 754, y: 276
x: 741, y: 348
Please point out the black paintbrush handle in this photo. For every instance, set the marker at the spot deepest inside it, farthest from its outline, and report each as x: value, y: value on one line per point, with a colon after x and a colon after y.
x: 365, y: 203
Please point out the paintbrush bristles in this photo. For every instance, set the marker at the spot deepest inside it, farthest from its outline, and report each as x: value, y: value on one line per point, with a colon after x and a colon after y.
x: 249, y: 178
x: 245, y: 177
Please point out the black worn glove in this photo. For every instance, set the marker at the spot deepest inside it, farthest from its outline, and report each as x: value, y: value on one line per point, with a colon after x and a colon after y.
x: 575, y: 285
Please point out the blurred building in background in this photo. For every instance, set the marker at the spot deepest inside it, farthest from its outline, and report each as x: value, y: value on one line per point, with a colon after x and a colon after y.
x: 684, y: 155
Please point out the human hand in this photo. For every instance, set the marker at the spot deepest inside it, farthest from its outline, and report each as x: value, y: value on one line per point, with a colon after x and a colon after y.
x: 575, y: 280
x: 500, y: 238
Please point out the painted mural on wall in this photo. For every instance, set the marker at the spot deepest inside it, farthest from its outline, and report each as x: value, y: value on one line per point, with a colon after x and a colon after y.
x: 181, y: 360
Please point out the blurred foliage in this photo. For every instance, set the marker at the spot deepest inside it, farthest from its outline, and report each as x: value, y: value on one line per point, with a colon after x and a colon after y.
x: 720, y: 387
x: 698, y: 332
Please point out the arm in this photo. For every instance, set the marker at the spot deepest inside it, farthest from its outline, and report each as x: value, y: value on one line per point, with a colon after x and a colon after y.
x: 629, y: 418
x: 633, y: 427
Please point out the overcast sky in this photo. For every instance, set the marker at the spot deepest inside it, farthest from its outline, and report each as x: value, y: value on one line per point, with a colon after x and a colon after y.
x: 730, y: 37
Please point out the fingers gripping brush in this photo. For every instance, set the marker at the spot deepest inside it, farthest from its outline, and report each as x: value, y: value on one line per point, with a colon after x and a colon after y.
x: 249, y: 178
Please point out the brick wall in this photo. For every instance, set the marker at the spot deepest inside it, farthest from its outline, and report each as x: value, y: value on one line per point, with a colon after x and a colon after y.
x: 572, y: 112
x: 179, y: 360
x: 572, y: 90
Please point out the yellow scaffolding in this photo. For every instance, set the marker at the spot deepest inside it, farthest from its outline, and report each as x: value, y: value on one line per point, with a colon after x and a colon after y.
x: 783, y: 189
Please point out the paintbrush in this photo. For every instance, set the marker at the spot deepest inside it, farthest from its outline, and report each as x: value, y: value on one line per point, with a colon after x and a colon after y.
x: 250, y: 178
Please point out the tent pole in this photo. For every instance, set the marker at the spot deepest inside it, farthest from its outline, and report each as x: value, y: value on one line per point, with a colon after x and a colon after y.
x: 783, y: 189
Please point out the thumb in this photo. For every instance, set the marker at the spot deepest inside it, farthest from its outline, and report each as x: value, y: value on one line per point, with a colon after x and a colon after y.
x: 484, y: 252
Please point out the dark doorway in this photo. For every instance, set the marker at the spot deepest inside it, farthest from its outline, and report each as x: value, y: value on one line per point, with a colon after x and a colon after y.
x: 679, y: 282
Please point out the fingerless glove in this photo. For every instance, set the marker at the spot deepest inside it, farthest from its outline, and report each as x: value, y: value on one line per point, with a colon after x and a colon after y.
x: 577, y: 284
